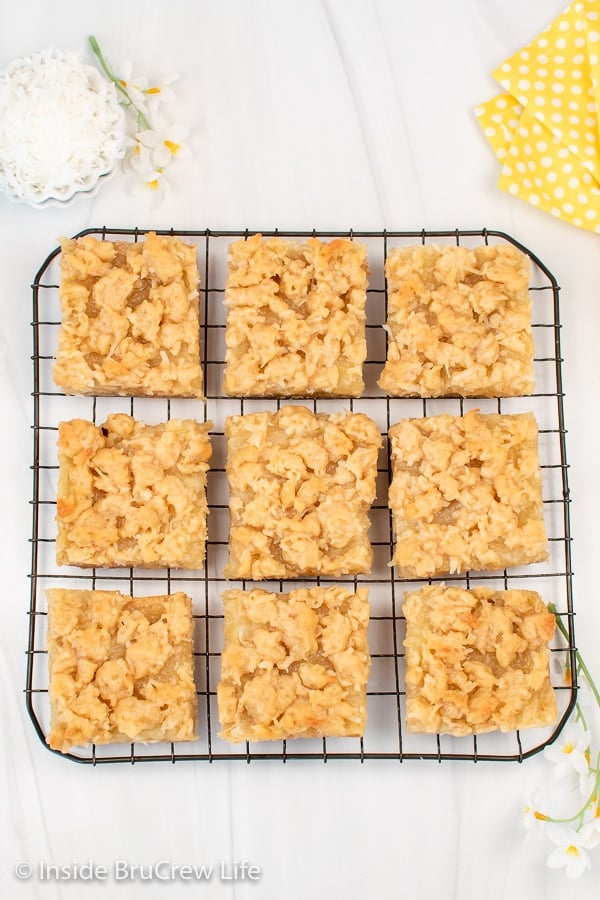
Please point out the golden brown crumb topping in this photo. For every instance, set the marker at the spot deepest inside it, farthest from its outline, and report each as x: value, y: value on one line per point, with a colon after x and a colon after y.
x: 459, y: 322
x: 466, y: 493
x: 477, y: 660
x: 294, y: 665
x: 131, y: 494
x: 301, y: 485
x: 296, y: 318
x: 129, y: 318
x: 121, y: 668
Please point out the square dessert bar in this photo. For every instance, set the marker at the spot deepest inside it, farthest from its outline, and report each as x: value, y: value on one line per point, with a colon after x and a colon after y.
x: 131, y: 494
x: 295, y: 318
x: 121, y: 668
x: 466, y: 493
x: 301, y: 486
x: 129, y: 318
x: 477, y: 660
x: 459, y: 322
x: 294, y: 665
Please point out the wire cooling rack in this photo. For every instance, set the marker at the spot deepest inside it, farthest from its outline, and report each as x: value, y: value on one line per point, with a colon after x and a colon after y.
x: 385, y: 736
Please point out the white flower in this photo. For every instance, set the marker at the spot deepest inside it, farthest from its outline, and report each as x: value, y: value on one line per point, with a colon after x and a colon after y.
x: 590, y: 833
x: 570, y: 751
x: 587, y: 782
x: 135, y: 85
x: 152, y: 148
x: 531, y: 814
x: 572, y: 754
x: 138, y: 158
x: 160, y: 92
x: 153, y: 186
x: 585, y: 698
x: 570, y: 851
x: 165, y: 145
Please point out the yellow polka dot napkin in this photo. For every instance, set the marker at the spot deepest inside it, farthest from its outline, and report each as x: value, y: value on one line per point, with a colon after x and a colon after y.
x: 544, y: 128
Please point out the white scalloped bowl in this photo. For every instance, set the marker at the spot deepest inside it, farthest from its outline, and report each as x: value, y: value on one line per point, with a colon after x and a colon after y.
x: 78, y: 193
x: 111, y: 146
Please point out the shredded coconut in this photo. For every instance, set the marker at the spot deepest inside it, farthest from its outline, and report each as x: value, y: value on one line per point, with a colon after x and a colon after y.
x: 61, y: 126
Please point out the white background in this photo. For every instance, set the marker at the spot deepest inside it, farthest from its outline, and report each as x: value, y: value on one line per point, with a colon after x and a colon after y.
x: 306, y: 114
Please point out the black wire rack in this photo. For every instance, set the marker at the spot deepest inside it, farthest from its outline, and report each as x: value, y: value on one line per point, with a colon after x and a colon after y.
x: 385, y: 736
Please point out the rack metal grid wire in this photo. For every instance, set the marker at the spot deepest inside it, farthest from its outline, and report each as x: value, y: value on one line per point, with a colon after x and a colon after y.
x: 385, y: 736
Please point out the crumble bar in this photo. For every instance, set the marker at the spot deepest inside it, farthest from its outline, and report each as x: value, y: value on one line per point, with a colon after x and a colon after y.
x: 459, y: 322
x: 477, y: 660
x: 129, y: 318
x: 294, y: 665
x: 301, y: 486
x: 131, y: 494
x: 121, y: 668
x: 295, y: 318
x: 466, y: 493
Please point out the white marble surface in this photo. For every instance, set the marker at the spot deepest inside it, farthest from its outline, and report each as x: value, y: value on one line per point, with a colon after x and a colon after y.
x: 306, y: 114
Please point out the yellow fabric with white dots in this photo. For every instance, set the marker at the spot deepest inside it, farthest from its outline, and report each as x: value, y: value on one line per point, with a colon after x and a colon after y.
x: 544, y: 128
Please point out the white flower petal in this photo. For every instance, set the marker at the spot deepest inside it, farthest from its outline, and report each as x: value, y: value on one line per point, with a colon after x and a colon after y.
x: 125, y: 70
x: 528, y: 817
x: 557, y: 859
x: 184, y: 151
x: 136, y: 96
x: 585, y: 697
x: 178, y: 133
x: 590, y: 834
x: 578, y: 863
x: 587, y: 781
x: 142, y: 164
x: 561, y: 836
x: 162, y: 94
x: 569, y: 852
x: 148, y: 138
x: 152, y: 189
x: 580, y: 763
x: 162, y: 156
x: 568, y: 752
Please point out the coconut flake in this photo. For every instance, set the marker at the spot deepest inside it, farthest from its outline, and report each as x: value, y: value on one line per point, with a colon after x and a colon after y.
x: 61, y: 126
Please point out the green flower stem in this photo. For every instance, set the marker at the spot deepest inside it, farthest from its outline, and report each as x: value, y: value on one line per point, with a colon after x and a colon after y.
x: 592, y: 796
x: 581, y: 665
x: 594, y: 770
x: 142, y: 120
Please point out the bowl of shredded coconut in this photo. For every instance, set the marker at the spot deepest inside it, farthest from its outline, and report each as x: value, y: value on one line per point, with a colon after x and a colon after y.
x: 62, y: 129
